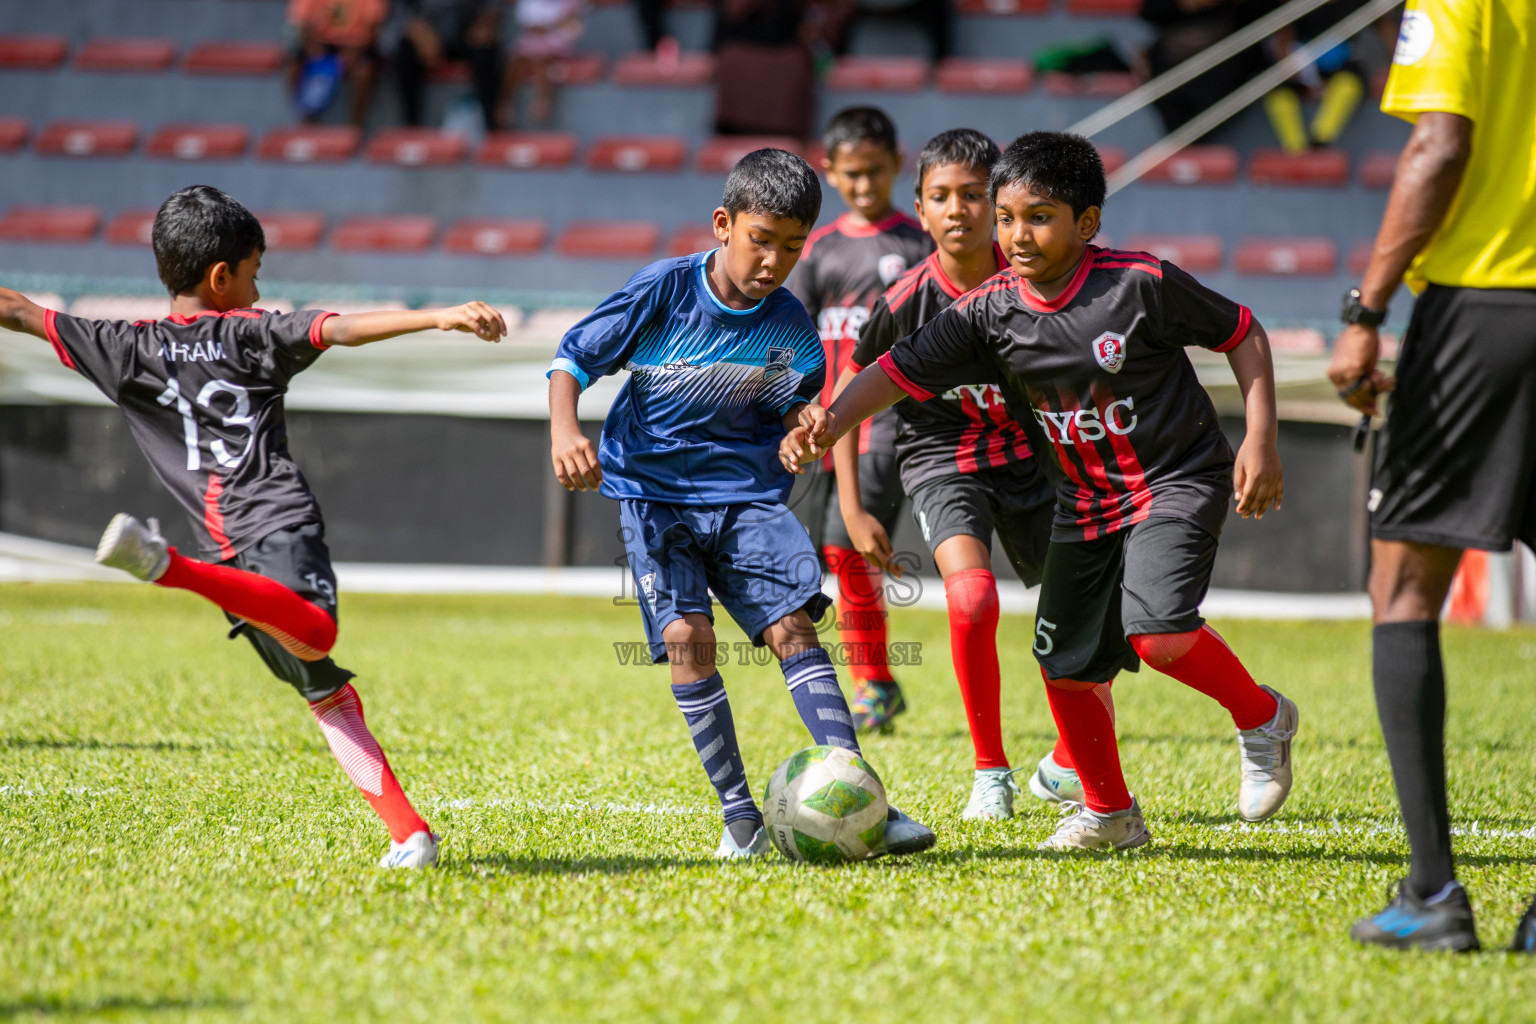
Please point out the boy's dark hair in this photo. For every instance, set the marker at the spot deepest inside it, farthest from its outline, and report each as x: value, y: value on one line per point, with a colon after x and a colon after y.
x: 964, y: 146
x: 774, y: 182
x: 198, y: 227
x: 854, y: 125
x: 1062, y: 166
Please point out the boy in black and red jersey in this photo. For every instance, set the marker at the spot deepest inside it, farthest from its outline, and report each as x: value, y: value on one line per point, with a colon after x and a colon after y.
x: 1086, y: 343
x: 963, y: 460
x: 202, y: 391
x: 843, y: 269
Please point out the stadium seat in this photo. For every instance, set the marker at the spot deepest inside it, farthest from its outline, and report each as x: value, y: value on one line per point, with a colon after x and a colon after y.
x: 261, y: 58
x: 1195, y: 253
x: 1316, y: 167
x: 968, y: 75
x: 49, y: 223
x: 1378, y: 168
x: 1197, y: 165
x: 1287, y: 257
x: 1096, y: 83
x: 582, y: 69
x: 606, y: 239
x: 1297, y: 341
x: 527, y: 150
x: 1113, y: 158
x: 292, y: 231
x: 32, y: 53
x: 401, y: 233
x: 88, y: 138
x: 719, y: 155
x: 199, y: 141
x: 417, y: 147
x: 130, y: 227
x: 309, y: 143
x: 643, y: 68
x: 496, y: 237
x: 1359, y: 256
x: 1103, y: 8
x: 882, y: 74
x: 692, y: 238
x: 13, y: 133
x: 143, y: 55
x: 637, y: 153
x: 1003, y: 7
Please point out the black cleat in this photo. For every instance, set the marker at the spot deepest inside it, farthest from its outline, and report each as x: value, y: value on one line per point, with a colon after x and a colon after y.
x: 1525, y: 932
x: 1442, y: 922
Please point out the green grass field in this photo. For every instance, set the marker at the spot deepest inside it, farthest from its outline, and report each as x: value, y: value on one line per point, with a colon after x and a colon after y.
x: 177, y: 844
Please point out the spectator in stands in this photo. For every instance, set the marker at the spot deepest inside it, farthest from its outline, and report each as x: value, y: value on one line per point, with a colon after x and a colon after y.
x: 1336, y: 80
x: 1186, y: 27
x: 934, y: 17
x: 547, y: 31
x: 334, y: 40
x: 653, y: 25
x: 436, y: 31
x: 768, y: 77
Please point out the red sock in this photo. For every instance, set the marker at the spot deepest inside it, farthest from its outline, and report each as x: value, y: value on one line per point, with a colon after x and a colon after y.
x: 1202, y: 660
x: 1061, y: 755
x: 1084, y: 721
x: 304, y: 629
x: 341, y: 719
x: 972, y: 598
x: 860, y: 614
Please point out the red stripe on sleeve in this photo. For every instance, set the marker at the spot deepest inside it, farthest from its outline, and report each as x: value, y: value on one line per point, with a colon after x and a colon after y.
x: 892, y: 371
x: 51, y: 328
x: 1244, y: 323
x: 314, y: 331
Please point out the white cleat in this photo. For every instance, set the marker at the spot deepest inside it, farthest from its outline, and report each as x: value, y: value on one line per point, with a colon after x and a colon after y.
x: 1266, y: 761
x: 1055, y: 784
x: 730, y: 849
x: 991, y: 795
x: 904, y: 835
x: 418, y: 851
x: 1082, y: 829
x: 133, y: 547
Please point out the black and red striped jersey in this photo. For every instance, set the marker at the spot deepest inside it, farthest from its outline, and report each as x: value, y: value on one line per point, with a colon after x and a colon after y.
x: 1099, y: 379
x: 203, y: 396
x: 843, y: 269
x: 966, y: 428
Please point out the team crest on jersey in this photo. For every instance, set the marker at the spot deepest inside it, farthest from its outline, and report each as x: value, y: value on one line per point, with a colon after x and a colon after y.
x: 779, y: 361
x: 1109, y: 351
x: 891, y: 266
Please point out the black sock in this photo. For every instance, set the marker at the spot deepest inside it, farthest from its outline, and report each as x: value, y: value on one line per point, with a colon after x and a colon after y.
x: 1409, y: 679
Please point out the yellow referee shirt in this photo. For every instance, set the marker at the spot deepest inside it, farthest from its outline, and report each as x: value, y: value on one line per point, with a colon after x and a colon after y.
x: 1476, y: 58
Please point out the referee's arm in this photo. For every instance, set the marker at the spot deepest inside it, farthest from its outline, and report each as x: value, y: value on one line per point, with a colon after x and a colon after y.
x: 1428, y: 176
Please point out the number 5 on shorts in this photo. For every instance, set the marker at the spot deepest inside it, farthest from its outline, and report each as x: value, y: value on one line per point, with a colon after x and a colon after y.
x: 1044, y: 642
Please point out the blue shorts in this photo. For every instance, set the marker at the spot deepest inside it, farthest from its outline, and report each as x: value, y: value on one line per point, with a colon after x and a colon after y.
x: 755, y: 556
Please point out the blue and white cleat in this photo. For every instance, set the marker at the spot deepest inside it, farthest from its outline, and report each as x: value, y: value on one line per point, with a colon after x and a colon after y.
x: 991, y: 795
x: 730, y: 849
x: 1055, y: 784
x: 904, y: 835
x: 1442, y: 922
x: 418, y: 851
x: 135, y: 548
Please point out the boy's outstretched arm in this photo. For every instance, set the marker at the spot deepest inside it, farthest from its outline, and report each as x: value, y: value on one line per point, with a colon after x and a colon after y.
x: 361, y: 328
x: 570, y: 451
x: 19, y: 313
x: 1257, y: 480
x: 868, y: 393
x: 867, y: 533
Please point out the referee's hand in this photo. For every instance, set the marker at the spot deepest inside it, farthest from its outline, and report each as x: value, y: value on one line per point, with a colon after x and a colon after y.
x: 1353, y: 368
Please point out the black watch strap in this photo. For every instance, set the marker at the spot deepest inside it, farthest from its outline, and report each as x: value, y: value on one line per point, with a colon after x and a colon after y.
x: 1356, y: 313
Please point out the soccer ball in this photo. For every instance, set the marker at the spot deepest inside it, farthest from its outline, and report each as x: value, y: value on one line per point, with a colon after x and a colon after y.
x: 825, y: 805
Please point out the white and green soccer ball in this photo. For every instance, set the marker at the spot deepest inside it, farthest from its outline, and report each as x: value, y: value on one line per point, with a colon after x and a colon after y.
x: 825, y: 805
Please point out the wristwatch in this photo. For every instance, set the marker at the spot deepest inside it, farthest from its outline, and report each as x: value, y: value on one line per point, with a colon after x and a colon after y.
x: 1356, y: 313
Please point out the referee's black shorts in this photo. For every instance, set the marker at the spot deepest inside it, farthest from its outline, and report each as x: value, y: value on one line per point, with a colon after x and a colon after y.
x: 1456, y: 462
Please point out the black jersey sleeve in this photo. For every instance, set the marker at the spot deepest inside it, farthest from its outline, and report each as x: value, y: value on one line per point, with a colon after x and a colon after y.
x: 292, y: 338
x: 1192, y: 314
x: 946, y: 352
x: 802, y: 285
x: 96, y: 349
x: 877, y: 335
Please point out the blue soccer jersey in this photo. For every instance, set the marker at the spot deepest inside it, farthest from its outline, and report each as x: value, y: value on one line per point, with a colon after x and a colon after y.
x: 700, y: 419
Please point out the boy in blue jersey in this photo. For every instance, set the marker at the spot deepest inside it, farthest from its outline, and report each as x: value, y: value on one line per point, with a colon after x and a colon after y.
x: 722, y: 363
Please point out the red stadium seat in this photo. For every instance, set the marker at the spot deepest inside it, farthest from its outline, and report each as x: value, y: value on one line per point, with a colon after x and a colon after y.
x: 88, y: 138
x: 1360, y: 256
x: 1316, y: 167
x: 13, y: 133
x: 719, y: 155
x: 496, y: 237
x: 303, y: 144
x: 143, y: 55
x: 689, y: 69
x: 692, y: 238
x: 233, y: 59
x: 527, y: 150
x: 1113, y: 158
x: 1195, y: 253
x: 130, y: 227
x: 607, y: 239
x: 1197, y: 165
x: 967, y: 75
x: 582, y: 69
x: 290, y: 230
x: 1103, y: 8
x: 1097, y: 83
x: 1297, y: 341
x: 32, y: 53
x: 49, y: 224
x: 407, y: 233
x: 199, y: 141
x: 417, y: 147
x: 882, y: 74
x: 1004, y: 7
x: 1378, y: 168
x: 1287, y: 257
x: 636, y: 153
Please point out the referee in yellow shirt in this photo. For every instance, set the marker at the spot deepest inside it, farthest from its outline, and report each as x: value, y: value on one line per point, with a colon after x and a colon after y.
x: 1456, y: 462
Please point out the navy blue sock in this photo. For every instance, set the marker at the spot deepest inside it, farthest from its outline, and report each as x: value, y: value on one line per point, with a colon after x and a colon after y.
x: 708, y: 711
x: 812, y: 681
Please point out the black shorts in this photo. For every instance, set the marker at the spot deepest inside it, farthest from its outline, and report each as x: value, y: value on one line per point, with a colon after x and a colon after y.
x: 1456, y: 463
x: 1015, y: 500
x: 296, y: 557
x: 879, y: 486
x: 1150, y: 578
